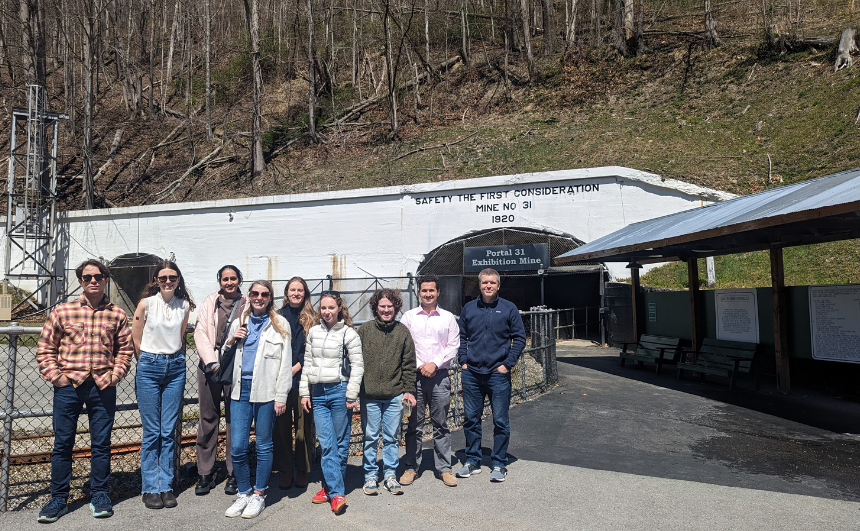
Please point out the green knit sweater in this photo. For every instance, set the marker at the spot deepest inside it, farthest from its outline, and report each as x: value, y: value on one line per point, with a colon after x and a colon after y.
x: 389, y: 359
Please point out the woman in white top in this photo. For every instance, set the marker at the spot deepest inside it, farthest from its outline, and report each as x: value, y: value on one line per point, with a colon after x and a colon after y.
x: 158, y: 331
x: 262, y: 378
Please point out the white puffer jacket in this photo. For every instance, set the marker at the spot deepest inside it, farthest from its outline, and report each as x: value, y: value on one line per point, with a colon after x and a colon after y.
x: 324, y: 358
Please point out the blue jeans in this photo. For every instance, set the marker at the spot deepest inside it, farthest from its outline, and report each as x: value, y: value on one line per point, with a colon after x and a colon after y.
x: 333, y: 427
x: 384, y: 414
x: 159, y: 383
x: 263, y: 414
x: 101, y: 406
x: 497, y: 387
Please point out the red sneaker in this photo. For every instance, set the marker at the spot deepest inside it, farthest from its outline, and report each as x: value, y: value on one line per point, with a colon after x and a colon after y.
x: 338, y: 504
x: 320, y: 497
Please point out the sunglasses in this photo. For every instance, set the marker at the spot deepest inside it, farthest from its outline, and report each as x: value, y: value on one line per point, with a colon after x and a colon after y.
x: 330, y: 292
x: 171, y: 278
x: 259, y: 294
x: 98, y: 278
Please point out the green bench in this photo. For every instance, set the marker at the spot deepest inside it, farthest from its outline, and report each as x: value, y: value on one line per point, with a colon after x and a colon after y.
x: 653, y: 349
x: 721, y: 358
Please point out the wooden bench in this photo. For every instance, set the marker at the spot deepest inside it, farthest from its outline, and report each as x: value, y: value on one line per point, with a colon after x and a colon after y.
x: 721, y: 358
x: 653, y: 349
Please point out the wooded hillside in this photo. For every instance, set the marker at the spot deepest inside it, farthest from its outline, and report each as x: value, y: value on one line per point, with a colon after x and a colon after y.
x: 173, y: 100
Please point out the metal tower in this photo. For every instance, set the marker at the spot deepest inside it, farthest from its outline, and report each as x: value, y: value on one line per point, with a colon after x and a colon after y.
x: 31, y: 201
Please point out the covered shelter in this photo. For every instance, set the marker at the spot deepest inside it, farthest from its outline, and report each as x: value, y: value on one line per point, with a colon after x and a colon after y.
x: 816, y: 211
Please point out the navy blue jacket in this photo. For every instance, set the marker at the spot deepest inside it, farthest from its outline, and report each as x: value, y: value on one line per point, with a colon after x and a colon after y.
x: 486, y: 334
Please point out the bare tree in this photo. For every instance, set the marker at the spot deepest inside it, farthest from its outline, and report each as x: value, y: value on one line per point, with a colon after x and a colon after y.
x: 32, y: 17
x: 207, y: 30
x: 312, y: 55
x: 258, y: 163
x: 550, y: 36
x: 712, y: 39
x: 527, y: 37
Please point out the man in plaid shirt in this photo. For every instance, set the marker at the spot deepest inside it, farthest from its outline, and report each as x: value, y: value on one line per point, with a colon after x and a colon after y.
x: 85, y: 350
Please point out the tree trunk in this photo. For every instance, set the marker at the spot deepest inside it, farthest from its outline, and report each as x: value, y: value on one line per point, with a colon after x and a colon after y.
x: 595, y: 23
x: 712, y: 39
x: 258, y: 163
x: 312, y: 95
x: 166, y: 81
x: 207, y: 22
x: 391, y: 76
x: 33, y: 41
x: 89, y: 59
x: 549, y: 31
x: 464, y: 34
x: 569, y: 23
x: 618, y: 39
x: 527, y: 38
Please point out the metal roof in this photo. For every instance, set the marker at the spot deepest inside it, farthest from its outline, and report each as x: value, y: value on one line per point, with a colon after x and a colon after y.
x: 813, y: 211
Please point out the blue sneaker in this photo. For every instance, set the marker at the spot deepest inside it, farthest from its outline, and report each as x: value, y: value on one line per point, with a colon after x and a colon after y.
x: 468, y: 470
x: 101, y: 505
x: 52, y: 512
x: 498, y: 474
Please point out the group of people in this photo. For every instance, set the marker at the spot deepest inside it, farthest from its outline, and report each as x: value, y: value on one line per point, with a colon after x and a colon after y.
x: 285, y: 370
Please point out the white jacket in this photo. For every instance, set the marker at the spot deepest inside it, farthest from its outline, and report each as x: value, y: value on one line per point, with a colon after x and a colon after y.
x: 324, y: 358
x: 273, y: 364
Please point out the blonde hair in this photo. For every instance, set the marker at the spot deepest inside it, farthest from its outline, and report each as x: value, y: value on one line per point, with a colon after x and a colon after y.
x: 270, y: 308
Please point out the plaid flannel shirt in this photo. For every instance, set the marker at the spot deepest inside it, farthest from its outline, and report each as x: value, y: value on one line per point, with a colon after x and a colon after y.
x: 79, y: 341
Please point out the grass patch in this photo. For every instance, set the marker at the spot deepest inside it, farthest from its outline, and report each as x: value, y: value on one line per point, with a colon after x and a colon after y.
x: 826, y: 263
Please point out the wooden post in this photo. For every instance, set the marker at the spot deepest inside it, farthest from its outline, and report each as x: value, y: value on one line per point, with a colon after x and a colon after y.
x: 693, y: 282
x: 780, y: 313
x: 634, y: 280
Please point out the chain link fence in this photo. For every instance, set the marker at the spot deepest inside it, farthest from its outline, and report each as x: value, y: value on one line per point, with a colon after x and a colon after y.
x: 27, y: 436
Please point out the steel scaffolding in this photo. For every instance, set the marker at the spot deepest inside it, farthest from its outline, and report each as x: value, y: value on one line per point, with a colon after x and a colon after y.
x: 31, y: 201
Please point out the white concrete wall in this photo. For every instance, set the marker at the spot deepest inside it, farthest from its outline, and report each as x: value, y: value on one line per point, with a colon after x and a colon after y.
x: 376, y: 231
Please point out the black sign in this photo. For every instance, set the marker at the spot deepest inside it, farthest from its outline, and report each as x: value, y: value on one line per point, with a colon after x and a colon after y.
x: 524, y: 257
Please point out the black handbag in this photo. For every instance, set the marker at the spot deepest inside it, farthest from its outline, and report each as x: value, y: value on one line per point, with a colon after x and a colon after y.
x: 224, y: 374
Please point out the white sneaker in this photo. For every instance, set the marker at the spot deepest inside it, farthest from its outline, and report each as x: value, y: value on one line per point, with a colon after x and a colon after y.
x: 256, y: 504
x: 238, y: 506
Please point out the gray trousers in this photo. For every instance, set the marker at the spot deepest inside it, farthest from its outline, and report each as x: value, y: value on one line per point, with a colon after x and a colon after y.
x: 435, y: 392
x: 210, y: 395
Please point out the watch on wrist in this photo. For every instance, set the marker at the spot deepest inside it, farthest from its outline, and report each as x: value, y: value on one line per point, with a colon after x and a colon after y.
x: 211, y: 367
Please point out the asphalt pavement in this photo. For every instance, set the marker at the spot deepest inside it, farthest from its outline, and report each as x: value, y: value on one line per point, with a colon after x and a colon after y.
x: 608, y: 448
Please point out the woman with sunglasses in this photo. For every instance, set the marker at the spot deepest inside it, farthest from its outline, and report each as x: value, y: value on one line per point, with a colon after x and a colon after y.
x: 262, y: 378
x: 217, y: 313
x: 299, y: 312
x: 331, y: 378
x: 158, y: 332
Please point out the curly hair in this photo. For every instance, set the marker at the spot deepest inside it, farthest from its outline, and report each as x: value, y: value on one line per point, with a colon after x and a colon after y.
x: 181, y: 291
x: 385, y: 293
x: 307, y: 314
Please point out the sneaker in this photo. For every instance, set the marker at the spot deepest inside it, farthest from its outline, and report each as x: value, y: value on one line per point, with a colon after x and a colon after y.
x: 101, y: 506
x: 448, y: 479
x: 498, y: 474
x: 338, y: 504
x: 467, y: 470
x: 371, y: 488
x: 256, y: 504
x: 320, y: 497
x: 53, y: 510
x: 393, y: 486
x: 238, y: 506
x: 408, y: 477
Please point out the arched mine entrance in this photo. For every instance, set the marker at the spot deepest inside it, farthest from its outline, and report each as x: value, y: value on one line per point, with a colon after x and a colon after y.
x: 523, y: 258
x: 130, y: 273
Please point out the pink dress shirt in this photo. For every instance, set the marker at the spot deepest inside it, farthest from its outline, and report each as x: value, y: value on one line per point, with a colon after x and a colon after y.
x: 436, y: 335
